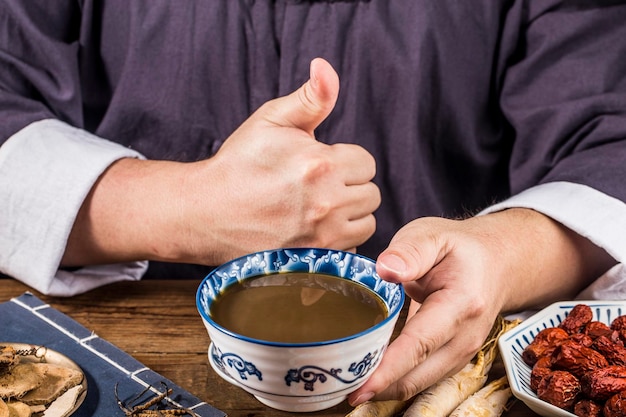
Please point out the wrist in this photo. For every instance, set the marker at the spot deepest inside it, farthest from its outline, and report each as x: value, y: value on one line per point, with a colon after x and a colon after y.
x: 541, y: 260
x: 131, y: 213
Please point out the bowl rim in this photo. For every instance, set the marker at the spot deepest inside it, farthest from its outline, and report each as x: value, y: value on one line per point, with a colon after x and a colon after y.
x: 392, y: 316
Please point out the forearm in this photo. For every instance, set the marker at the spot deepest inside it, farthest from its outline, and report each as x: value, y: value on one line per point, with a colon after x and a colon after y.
x: 46, y: 169
x: 134, y: 211
x: 545, y: 261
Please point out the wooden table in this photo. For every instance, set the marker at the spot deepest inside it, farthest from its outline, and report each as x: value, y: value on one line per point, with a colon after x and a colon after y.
x: 157, y: 323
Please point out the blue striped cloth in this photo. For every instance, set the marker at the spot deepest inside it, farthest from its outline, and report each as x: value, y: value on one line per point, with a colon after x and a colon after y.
x: 27, y: 319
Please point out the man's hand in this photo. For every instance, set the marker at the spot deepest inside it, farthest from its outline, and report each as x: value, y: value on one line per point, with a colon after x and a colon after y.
x: 272, y: 184
x: 464, y: 273
x: 288, y: 189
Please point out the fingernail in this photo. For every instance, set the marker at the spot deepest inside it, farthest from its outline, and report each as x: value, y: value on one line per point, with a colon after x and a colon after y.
x: 394, y: 263
x: 366, y: 396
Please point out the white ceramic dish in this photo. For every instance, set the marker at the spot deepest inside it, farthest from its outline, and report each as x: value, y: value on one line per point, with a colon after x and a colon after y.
x: 43, y: 354
x: 513, y: 342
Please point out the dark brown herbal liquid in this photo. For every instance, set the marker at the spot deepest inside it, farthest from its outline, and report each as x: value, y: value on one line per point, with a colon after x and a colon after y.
x: 296, y: 307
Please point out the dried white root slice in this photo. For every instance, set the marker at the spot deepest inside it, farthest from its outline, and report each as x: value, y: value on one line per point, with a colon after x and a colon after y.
x: 57, y: 380
x: 64, y: 404
x: 4, y: 409
x: 490, y: 401
x: 378, y: 409
x: 442, y: 398
x: 34, y: 409
x: 8, y: 358
x: 23, y: 378
x: 19, y: 409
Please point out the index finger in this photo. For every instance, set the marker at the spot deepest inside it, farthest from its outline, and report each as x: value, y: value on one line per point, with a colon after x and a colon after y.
x: 424, y: 334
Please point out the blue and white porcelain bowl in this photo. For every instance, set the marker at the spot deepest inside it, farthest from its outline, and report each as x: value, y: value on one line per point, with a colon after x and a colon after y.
x: 298, y: 377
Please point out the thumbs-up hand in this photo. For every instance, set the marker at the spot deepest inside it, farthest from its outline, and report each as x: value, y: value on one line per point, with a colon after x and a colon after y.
x: 272, y: 184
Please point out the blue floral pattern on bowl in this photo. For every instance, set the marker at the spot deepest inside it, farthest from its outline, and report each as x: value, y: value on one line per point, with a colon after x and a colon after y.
x: 299, y: 377
x: 310, y: 374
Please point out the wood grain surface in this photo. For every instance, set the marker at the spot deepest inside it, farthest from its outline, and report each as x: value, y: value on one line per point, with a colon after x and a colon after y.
x: 157, y: 323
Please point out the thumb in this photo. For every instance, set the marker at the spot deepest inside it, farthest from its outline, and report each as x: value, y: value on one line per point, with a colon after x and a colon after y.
x: 412, y: 252
x: 309, y: 105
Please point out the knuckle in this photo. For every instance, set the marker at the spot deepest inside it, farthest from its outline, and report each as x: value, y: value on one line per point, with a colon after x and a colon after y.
x: 407, y: 389
x: 370, y: 164
x: 424, y: 349
x: 315, y: 167
x: 319, y: 211
x: 370, y: 227
x: 314, y: 172
x: 477, y: 307
x: 309, y: 100
x: 378, y: 196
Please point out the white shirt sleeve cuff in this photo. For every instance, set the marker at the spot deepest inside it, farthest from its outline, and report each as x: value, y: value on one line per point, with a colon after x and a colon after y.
x: 46, y: 171
x: 589, y: 212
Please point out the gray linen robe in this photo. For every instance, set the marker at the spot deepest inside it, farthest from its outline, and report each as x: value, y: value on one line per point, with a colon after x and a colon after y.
x: 463, y: 103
